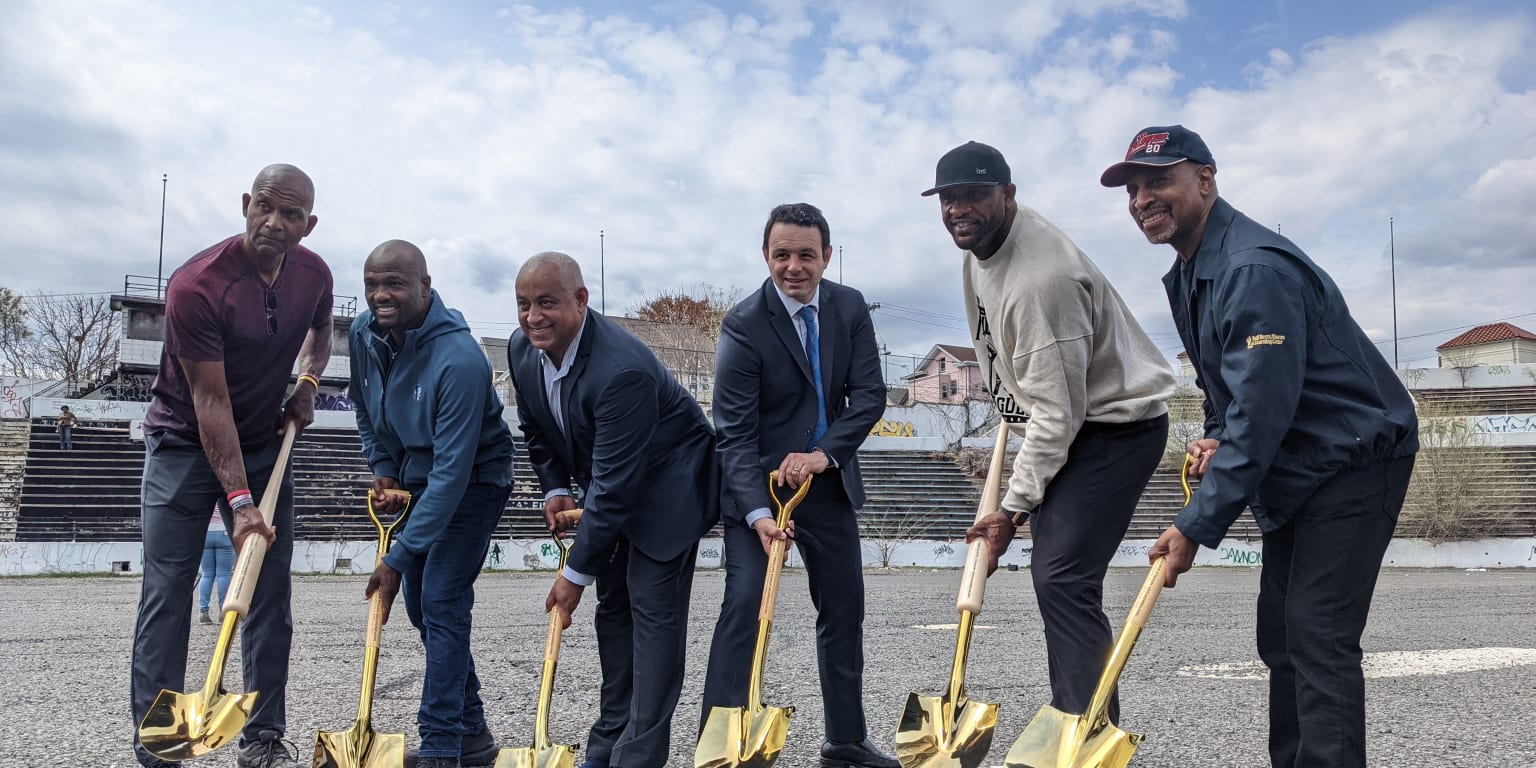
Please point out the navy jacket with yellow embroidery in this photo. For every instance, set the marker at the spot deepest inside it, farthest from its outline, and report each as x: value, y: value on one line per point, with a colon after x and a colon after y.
x: 1293, y: 389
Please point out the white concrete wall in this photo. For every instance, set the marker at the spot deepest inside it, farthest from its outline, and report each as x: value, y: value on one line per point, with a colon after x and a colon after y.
x: 34, y: 558
x: 147, y: 352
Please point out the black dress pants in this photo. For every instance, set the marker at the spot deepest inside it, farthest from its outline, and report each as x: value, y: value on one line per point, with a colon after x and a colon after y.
x: 1314, y: 595
x: 1076, y: 530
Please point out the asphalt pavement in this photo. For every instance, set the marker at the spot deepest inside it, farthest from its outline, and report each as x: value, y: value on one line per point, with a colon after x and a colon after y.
x: 1192, y: 685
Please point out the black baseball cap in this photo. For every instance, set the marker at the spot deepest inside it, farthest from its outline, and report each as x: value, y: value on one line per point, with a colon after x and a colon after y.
x: 1159, y: 145
x: 971, y: 163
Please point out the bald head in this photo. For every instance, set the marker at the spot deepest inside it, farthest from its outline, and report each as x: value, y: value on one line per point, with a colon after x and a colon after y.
x: 398, y: 256
x: 397, y: 287
x: 278, y: 214
x: 566, y: 271
x: 551, y: 302
x: 290, y: 178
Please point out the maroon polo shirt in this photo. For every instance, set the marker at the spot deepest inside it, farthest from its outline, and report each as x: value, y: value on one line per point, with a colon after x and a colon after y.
x: 217, y: 307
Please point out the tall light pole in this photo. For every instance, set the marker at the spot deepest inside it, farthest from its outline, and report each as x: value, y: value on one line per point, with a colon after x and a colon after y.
x: 165, y: 180
x: 1392, y: 258
x: 602, y: 273
x: 840, y: 264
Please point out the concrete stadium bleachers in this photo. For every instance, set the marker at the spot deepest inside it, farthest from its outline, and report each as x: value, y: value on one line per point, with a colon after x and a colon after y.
x: 92, y: 492
x: 1479, y: 401
x: 923, y: 495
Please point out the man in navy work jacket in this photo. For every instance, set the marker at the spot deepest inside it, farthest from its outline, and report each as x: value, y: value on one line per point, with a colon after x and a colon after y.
x: 430, y: 422
x: 598, y: 408
x: 1306, y: 424
x: 797, y: 389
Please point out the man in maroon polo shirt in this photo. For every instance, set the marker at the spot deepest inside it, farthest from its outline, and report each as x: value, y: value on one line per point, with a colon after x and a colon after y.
x: 237, y: 317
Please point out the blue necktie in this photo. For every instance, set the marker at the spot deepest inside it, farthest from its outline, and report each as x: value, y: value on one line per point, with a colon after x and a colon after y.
x: 813, y: 353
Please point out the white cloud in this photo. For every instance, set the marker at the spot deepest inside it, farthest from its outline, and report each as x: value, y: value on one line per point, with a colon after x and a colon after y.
x: 675, y: 132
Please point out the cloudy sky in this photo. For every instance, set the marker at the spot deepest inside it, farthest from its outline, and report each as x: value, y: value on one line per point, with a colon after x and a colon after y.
x: 493, y: 130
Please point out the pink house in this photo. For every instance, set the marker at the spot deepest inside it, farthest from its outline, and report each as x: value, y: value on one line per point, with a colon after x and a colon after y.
x: 947, y: 374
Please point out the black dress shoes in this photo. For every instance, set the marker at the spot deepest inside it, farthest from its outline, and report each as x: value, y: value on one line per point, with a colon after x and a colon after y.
x: 861, y: 754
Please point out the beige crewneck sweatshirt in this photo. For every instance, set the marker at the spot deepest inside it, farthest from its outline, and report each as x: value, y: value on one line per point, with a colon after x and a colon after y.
x: 1057, y: 346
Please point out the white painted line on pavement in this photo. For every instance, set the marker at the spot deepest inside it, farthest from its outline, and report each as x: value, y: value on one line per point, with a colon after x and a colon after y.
x: 1390, y: 664
x: 950, y: 626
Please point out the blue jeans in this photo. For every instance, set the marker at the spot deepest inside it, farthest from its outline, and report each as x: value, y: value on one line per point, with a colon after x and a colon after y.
x: 439, y: 590
x: 178, y: 490
x: 218, y: 563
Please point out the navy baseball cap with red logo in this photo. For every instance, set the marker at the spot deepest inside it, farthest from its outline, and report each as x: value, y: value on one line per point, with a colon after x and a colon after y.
x: 1159, y: 145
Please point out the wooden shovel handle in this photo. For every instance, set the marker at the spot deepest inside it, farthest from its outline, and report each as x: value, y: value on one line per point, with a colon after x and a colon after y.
x: 973, y: 580
x: 552, y: 636
x: 242, y: 583
x: 1147, y: 597
x: 779, y: 547
x: 375, y: 634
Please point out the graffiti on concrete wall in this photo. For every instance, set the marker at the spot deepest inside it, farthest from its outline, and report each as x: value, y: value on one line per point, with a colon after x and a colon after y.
x: 131, y: 387
x: 12, y: 405
x: 329, y: 402
x: 1504, y: 424
x: 888, y: 428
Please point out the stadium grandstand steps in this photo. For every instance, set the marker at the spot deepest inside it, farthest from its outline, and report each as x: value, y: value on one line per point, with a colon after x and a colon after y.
x: 1479, y: 401
x: 92, y: 492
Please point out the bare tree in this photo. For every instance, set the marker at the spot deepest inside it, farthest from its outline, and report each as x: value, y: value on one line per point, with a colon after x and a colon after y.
x: 1455, y: 492
x: 15, y: 336
x: 1186, y: 422
x: 75, y: 338
x: 1462, y: 361
x: 975, y: 413
x: 883, y: 533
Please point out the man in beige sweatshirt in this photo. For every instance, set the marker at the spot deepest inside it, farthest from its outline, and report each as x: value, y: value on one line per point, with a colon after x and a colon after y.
x: 1069, y: 367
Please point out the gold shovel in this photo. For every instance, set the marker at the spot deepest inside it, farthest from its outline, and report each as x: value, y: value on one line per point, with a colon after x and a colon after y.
x: 753, y: 736
x: 359, y: 746
x: 181, y: 726
x: 544, y: 753
x: 1056, y: 739
x: 953, y: 731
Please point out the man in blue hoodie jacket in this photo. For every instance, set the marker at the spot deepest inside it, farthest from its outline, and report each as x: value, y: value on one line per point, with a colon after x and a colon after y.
x: 431, y: 424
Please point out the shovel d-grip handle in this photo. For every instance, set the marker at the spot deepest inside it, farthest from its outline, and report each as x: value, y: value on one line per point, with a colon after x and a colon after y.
x: 973, y: 579
x: 242, y: 583
x: 779, y: 547
x: 386, y: 534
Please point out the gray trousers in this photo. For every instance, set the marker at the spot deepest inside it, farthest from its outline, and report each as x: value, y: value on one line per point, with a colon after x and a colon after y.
x: 179, y: 488
x: 1076, y: 530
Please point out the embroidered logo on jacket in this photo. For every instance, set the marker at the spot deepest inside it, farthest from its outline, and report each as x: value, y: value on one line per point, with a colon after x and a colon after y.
x: 417, y: 393
x: 1259, y: 339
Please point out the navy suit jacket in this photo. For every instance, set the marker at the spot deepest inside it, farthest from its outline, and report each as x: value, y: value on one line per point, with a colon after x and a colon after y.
x: 765, y: 402
x: 635, y: 441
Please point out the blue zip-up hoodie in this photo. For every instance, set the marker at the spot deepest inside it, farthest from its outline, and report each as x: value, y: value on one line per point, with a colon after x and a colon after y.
x: 1293, y: 389
x: 430, y: 418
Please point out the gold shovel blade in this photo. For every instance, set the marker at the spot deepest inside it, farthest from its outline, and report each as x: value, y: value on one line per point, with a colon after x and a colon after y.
x: 552, y: 756
x: 734, y: 739
x: 1055, y: 739
x: 181, y: 726
x: 359, y: 747
x: 934, y: 734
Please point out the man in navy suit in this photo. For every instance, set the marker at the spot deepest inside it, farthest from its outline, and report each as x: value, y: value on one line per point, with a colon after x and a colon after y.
x: 797, y: 389
x: 598, y: 408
